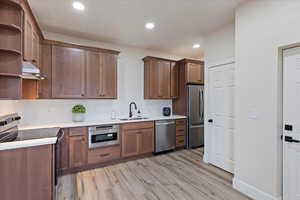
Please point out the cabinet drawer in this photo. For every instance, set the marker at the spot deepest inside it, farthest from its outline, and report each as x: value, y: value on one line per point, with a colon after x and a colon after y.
x: 180, y: 132
x: 180, y: 128
x: 103, y: 154
x: 139, y: 125
x: 180, y: 141
x: 78, y: 131
x: 181, y: 122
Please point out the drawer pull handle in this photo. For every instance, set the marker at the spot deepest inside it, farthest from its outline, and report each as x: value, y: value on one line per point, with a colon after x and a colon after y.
x: 104, y: 155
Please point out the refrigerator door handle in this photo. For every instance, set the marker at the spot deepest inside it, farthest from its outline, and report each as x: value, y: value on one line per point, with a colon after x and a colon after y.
x: 202, y: 105
x: 196, y: 126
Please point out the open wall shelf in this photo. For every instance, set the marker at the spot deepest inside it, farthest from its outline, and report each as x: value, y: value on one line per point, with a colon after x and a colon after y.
x: 11, y: 87
x: 14, y: 3
x: 11, y: 27
x: 10, y: 40
x: 10, y: 63
x: 11, y: 15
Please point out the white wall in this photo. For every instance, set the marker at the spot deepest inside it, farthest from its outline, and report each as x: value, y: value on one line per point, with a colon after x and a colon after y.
x: 8, y: 107
x: 261, y: 27
x: 130, y: 88
x: 219, y: 47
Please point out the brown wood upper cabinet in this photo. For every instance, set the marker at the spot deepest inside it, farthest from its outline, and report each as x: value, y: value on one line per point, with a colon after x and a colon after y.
x: 161, y: 78
x: 194, y: 71
x: 27, y: 45
x: 31, y: 39
x: 68, y: 72
x: 174, y: 80
x: 80, y: 73
x: 101, y: 75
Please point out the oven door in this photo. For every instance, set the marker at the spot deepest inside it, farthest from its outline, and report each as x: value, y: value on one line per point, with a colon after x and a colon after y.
x: 103, y: 139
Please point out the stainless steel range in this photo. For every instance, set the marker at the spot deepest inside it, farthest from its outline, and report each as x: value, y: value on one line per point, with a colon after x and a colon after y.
x: 101, y: 136
x: 9, y: 127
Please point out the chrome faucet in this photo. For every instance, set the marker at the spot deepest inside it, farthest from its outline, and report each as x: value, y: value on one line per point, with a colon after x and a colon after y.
x: 130, y: 111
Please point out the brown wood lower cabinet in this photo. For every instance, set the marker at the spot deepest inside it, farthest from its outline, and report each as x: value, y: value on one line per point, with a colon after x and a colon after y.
x: 137, y: 138
x: 73, y: 153
x: 78, y: 147
x: 27, y: 173
x: 180, y: 132
x: 100, y: 155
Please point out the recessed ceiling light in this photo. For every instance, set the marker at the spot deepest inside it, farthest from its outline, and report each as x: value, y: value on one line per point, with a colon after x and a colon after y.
x: 149, y: 25
x: 196, y: 46
x: 78, y: 5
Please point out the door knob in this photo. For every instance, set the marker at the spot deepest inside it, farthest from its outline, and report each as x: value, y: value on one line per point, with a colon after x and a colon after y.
x: 290, y: 139
x: 288, y: 127
x: 210, y: 121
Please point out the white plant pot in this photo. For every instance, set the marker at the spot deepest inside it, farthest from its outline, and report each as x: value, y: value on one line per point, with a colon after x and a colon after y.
x: 78, y: 117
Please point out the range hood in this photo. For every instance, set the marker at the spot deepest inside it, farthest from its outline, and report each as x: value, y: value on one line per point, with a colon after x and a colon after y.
x: 29, y: 71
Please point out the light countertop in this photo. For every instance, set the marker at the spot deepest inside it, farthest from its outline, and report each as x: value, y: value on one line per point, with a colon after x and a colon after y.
x: 32, y: 137
x: 41, y: 139
x: 97, y: 122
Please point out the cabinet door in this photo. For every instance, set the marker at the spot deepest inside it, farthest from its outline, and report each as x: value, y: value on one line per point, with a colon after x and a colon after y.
x: 101, y: 75
x: 195, y: 73
x: 164, y: 79
x: 130, y: 143
x: 146, y: 141
x: 35, y: 49
x: 174, y: 80
x: 154, y: 79
x: 77, y: 151
x: 27, y: 173
x: 93, y: 75
x: 108, y: 75
x: 45, y: 86
x: 62, y: 152
x: 68, y: 72
x: 27, y: 47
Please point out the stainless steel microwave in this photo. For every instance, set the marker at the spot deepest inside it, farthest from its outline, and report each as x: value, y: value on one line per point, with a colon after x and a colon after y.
x: 102, y: 136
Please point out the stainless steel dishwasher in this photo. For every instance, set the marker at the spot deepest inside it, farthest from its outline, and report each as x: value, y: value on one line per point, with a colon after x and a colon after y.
x: 165, y: 132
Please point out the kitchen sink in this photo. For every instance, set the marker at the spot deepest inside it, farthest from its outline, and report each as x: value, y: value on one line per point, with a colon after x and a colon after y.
x: 133, y: 118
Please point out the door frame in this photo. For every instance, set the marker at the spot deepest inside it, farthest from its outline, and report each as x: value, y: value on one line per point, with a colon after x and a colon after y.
x: 207, y: 138
x: 280, y: 98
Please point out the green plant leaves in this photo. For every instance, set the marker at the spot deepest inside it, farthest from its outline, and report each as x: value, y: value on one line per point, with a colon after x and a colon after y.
x: 79, y: 109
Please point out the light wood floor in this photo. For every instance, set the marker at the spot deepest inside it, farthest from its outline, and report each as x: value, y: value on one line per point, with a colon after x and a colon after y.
x: 181, y: 175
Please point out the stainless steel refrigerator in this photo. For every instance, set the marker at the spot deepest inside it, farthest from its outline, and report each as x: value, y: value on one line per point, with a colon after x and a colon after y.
x: 195, y: 95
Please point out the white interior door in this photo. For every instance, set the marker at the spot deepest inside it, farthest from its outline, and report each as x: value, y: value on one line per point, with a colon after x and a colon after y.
x: 291, y: 121
x: 220, y: 116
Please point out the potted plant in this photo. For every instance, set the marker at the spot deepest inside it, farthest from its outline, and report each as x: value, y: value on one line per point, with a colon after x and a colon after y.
x: 78, y: 113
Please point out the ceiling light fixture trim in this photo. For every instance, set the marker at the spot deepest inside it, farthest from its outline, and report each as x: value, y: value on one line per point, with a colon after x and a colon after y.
x: 149, y: 25
x: 196, y: 46
x: 78, y: 5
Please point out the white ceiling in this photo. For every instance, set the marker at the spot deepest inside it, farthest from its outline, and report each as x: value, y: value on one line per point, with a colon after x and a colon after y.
x: 179, y: 23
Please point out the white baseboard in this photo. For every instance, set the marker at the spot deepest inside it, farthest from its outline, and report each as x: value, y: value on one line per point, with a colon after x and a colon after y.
x: 205, y: 158
x: 252, y: 192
